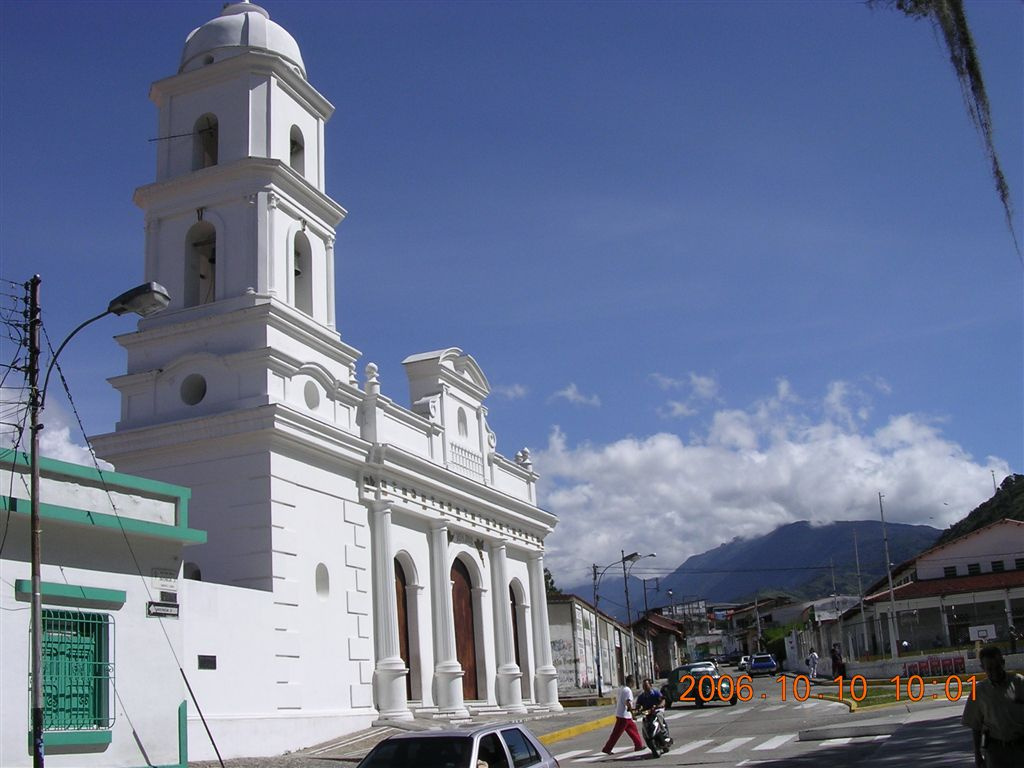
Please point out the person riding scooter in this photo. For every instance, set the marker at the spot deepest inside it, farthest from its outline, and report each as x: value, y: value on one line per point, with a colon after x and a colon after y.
x: 651, y: 704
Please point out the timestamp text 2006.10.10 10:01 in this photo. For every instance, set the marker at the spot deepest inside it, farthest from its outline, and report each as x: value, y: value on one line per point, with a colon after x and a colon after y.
x: 855, y: 689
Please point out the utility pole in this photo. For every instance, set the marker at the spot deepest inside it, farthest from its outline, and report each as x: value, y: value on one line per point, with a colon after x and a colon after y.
x: 894, y: 640
x: 860, y: 592
x: 34, y: 404
x: 629, y: 621
x: 597, y: 636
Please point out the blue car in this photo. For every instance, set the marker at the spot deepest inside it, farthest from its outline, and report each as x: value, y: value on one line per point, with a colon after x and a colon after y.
x: 763, y: 664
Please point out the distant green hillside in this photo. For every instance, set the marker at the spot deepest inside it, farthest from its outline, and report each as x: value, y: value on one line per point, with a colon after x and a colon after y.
x: 1008, y: 501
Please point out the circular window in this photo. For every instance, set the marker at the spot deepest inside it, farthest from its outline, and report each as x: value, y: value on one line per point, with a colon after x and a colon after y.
x: 323, y: 581
x: 312, y: 394
x: 193, y: 389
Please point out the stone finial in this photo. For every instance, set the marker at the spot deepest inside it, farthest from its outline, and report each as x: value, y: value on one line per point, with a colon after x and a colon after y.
x: 372, y: 382
x: 523, y: 459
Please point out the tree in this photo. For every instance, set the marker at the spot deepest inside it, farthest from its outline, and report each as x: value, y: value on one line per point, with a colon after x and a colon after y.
x: 949, y: 18
x: 549, y: 584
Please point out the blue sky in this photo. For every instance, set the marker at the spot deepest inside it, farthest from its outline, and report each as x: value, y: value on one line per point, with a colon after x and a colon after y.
x: 725, y: 265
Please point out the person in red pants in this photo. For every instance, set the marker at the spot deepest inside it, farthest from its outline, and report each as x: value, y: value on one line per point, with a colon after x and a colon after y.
x: 624, y: 719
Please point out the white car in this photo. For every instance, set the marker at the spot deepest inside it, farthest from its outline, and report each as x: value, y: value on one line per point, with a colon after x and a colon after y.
x: 744, y: 664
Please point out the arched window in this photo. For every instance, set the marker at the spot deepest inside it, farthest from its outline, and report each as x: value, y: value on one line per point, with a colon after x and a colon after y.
x: 205, y: 141
x: 303, y: 270
x: 297, y: 151
x: 200, y: 265
x: 463, y: 427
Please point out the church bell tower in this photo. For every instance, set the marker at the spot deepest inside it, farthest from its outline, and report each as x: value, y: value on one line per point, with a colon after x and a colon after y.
x: 241, y: 232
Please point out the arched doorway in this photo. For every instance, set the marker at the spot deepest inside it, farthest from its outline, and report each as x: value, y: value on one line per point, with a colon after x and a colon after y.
x: 465, y: 637
x: 401, y: 583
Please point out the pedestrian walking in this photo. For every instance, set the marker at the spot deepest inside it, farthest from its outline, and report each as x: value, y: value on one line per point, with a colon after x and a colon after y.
x: 624, y: 719
x: 838, y: 666
x: 812, y: 663
x: 995, y: 714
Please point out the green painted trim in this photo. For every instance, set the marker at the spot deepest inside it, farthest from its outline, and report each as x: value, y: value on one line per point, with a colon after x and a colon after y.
x: 104, y: 520
x: 55, y: 467
x: 72, y: 739
x: 183, y: 734
x: 74, y: 592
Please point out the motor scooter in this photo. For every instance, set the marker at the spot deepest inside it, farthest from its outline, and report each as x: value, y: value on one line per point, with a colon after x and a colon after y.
x: 655, y: 730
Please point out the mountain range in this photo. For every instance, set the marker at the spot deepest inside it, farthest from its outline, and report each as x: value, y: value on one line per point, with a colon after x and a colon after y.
x: 800, y: 559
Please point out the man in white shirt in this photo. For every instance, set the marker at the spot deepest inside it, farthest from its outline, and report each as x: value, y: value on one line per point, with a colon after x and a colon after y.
x: 995, y: 713
x: 624, y: 719
x: 812, y: 663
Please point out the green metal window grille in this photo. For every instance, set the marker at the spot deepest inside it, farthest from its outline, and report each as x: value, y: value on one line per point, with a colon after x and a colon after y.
x: 78, y: 670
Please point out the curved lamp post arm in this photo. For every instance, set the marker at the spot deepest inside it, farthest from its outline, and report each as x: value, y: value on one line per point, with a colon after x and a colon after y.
x: 143, y: 300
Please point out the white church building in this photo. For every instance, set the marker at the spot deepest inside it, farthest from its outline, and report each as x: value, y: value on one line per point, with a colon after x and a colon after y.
x: 364, y: 561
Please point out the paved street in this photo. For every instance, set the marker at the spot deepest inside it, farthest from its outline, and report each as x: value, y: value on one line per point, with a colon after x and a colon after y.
x: 765, y: 731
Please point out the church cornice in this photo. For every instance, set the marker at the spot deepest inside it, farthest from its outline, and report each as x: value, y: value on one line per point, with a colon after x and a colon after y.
x: 273, y: 427
x: 252, y: 62
x: 248, y: 309
x: 395, y: 474
x: 240, y: 179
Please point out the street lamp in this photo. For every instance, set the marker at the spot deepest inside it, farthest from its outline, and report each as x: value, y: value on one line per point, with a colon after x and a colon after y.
x: 631, y: 559
x: 597, y: 581
x: 143, y: 300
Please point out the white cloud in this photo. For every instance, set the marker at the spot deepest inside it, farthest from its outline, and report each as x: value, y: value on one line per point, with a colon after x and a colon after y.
x: 574, y: 396
x: 704, y: 387
x: 701, y: 390
x: 667, y: 382
x: 675, y: 409
x: 780, y: 460
x: 55, y: 441
x: 511, y: 391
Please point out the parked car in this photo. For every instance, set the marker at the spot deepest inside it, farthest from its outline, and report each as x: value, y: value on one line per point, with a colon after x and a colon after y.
x: 700, y: 683
x: 763, y: 663
x: 499, y: 745
x: 744, y: 664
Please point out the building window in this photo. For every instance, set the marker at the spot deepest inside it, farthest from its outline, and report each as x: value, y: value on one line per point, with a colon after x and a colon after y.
x: 302, y: 272
x: 205, y: 142
x: 998, y: 566
x: 973, y: 569
x: 949, y: 571
x: 1019, y: 564
x: 297, y: 151
x: 78, y: 670
x: 463, y: 426
x: 200, y: 265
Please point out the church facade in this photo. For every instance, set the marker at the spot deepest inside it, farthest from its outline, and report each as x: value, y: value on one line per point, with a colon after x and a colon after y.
x: 364, y: 561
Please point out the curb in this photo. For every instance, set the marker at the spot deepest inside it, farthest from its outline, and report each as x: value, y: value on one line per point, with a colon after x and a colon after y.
x: 843, y: 731
x: 575, y: 730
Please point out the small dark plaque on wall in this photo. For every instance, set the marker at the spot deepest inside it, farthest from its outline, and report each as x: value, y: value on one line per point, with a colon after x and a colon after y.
x: 207, y: 662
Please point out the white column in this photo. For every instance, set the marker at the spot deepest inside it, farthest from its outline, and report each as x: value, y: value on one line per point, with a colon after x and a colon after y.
x: 331, y: 319
x: 510, y: 691
x: 389, y: 671
x: 447, y: 670
x: 546, y: 676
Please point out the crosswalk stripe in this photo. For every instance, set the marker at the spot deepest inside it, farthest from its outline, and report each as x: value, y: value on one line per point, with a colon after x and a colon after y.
x: 708, y: 713
x: 676, y: 715
x: 776, y: 741
x: 882, y: 737
x: 835, y: 742
x: 773, y: 706
x: 574, y: 753
x: 689, y: 747
x: 730, y: 745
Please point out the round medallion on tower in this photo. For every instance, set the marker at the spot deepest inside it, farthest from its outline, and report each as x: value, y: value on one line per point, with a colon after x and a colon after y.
x: 241, y: 27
